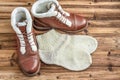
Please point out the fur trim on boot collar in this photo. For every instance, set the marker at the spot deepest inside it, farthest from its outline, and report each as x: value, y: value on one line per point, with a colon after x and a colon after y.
x: 18, y: 13
x: 40, y: 6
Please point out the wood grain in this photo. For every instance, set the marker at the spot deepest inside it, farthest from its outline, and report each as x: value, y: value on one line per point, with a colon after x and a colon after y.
x: 104, y: 24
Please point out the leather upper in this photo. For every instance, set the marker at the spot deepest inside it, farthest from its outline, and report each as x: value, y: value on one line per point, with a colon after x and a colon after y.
x: 28, y: 62
x: 78, y: 22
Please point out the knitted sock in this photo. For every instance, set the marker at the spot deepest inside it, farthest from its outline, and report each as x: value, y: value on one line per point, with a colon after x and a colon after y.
x: 85, y: 42
x: 65, y: 50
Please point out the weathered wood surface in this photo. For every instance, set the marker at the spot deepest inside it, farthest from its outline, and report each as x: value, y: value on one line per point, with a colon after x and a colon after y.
x: 104, y: 25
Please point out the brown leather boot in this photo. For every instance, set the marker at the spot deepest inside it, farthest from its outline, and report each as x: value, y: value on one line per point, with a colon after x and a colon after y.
x: 28, y: 57
x: 49, y: 14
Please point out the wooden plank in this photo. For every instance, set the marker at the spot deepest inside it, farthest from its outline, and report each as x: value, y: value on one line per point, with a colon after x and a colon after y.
x: 17, y: 0
x: 112, y: 44
x: 8, y: 15
x: 79, y: 4
x: 104, y: 25
x: 96, y: 13
x: 9, y: 9
x: 105, y: 59
x: 94, y: 0
x: 76, y: 10
x: 8, y: 41
x: 52, y: 73
x: 91, y: 30
x: 92, y: 23
x: 106, y: 0
x: 100, y: 58
x: 59, y: 0
x: 5, y: 27
x: 89, y: 16
x: 70, y: 4
x: 15, y: 3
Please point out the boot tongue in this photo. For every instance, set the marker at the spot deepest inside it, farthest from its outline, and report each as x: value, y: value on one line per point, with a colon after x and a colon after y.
x: 22, y: 26
x: 51, y: 6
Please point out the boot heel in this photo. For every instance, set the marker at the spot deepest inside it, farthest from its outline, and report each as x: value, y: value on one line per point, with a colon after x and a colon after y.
x: 40, y: 27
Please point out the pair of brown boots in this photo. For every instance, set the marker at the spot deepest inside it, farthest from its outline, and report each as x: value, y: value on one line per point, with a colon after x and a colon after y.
x: 47, y: 14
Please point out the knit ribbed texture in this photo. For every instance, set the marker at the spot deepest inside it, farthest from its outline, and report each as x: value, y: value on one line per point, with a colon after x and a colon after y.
x: 71, y: 52
x: 53, y: 39
x: 50, y: 40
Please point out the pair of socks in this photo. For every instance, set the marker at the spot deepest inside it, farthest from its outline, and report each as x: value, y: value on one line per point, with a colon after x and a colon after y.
x: 69, y: 51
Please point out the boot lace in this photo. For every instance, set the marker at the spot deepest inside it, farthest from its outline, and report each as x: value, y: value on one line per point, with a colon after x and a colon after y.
x: 30, y: 40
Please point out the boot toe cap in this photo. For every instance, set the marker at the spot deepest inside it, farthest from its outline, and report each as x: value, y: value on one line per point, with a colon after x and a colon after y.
x: 30, y: 66
x: 80, y: 22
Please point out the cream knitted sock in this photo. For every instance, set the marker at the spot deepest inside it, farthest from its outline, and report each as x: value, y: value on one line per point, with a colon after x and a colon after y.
x: 85, y: 42
x: 71, y: 52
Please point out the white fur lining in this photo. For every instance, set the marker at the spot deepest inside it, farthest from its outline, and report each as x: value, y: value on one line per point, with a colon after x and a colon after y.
x: 42, y: 15
x: 38, y: 5
x: 14, y: 21
x: 16, y: 14
x: 38, y: 2
x: 22, y: 24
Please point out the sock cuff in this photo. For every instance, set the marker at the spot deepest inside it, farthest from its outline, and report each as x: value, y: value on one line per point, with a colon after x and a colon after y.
x: 51, y: 40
